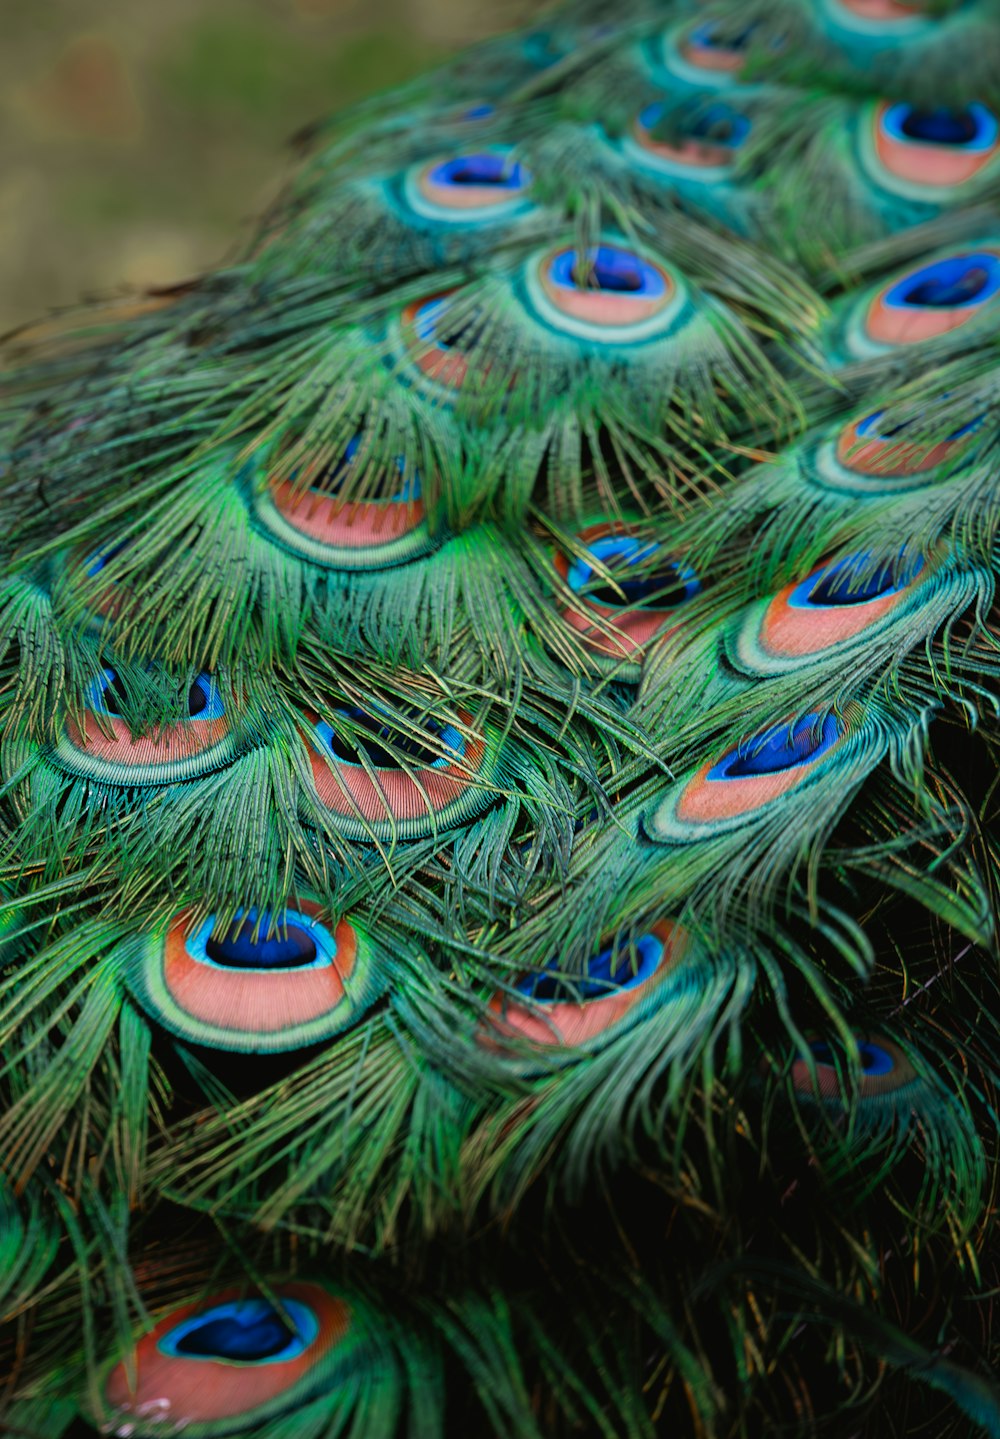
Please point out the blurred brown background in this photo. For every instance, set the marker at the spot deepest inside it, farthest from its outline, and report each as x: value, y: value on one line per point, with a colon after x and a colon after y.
x: 139, y: 137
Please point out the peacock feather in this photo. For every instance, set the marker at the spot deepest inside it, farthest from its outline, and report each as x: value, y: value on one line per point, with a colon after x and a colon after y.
x: 499, y: 703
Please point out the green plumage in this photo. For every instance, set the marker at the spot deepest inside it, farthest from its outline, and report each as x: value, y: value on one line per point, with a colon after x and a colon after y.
x: 498, y: 745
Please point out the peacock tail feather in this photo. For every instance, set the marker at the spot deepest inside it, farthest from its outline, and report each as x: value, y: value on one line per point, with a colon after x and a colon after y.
x: 499, y: 697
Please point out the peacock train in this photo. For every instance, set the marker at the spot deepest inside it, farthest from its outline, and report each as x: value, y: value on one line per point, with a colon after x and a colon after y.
x: 499, y: 786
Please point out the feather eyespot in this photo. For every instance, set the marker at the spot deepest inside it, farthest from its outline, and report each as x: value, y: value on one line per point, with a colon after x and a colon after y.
x: 609, y: 294
x: 617, y: 619
x: 231, y: 1359
x: 102, y: 746
x: 883, y: 1069
x: 440, y: 338
x: 836, y: 604
x: 708, y: 141
x: 864, y: 447
x: 243, y: 1331
x: 372, y: 736
x: 843, y: 586
x: 746, y: 781
x: 481, y: 186
x: 712, y: 54
x: 574, y: 1009
x: 781, y: 750
x: 876, y: 16
x: 264, y: 984
x: 85, y: 571
x: 107, y: 696
x: 710, y: 46
x: 483, y: 110
x: 311, y: 519
x: 933, y: 148
x: 932, y: 299
x: 378, y: 779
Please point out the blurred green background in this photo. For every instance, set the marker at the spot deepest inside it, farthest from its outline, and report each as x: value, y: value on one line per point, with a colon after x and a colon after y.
x: 140, y: 137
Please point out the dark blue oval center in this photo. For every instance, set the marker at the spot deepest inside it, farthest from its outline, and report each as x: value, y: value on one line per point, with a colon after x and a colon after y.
x: 781, y: 748
x: 609, y: 269
x: 227, y: 1337
x: 487, y: 169
x: 286, y: 947
x: 949, y: 284
x: 874, y: 1059
x: 612, y: 970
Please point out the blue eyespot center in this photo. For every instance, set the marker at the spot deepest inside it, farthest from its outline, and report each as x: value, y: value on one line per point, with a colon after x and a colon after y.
x: 261, y: 941
x: 489, y: 168
x: 713, y: 36
x: 436, y: 323
x: 971, y: 127
x: 869, y: 428
x: 371, y: 735
x: 722, y: 125
x: 610, y: 269
x: 199, y: 697
x: 850, y: 582
x: 255, y: 942
x: 617, y: 968
x: 941, y: 126
x: 332, y: 478
x: 108, y: 695
x: 229, y: 1338
x: 425, y: 321
x: 246, y: 1331
x: 719, y: 124
x: 204, y: 700
x: 778, y: 749
x: 874, y: 1059
x: 949, y: 284
x: 331, y: 481
x: 668, y: 585
x: 97, y: 561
